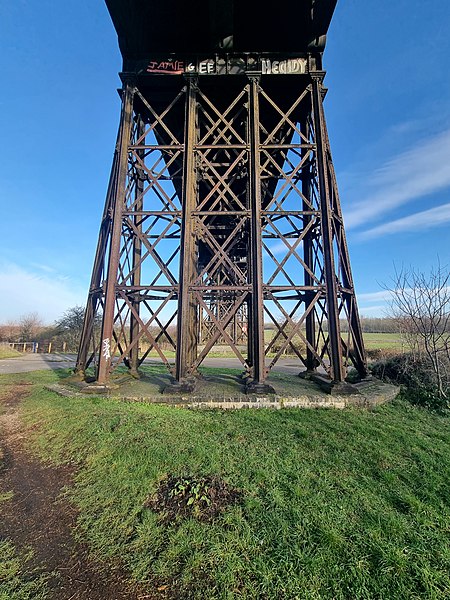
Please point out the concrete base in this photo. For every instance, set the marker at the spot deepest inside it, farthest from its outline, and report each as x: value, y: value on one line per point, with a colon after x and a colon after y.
x: 335, y: 388
x: 260, y: 389
x: 135, y: 373
x: 184, y: 386
x: 96, y: 388
x: 307, y: 374
x: 78, y: 375
x: 226, y: 392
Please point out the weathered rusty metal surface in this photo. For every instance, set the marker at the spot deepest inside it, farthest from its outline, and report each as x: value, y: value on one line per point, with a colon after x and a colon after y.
x: 200, y: 26
x: 223, y: 217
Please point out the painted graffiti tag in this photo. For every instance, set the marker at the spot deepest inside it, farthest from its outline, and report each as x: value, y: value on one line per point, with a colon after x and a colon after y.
x: 174, y: 67
x: 289, y: 66
x: 229, y: 65
x: 106, y: 349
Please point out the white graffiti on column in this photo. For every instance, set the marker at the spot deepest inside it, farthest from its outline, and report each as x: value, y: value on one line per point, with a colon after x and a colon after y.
x: 106, y: 350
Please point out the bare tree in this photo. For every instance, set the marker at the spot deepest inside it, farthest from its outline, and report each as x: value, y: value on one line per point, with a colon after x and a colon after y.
x: 10, y: 331
x: 70, y: 325
x: 30, y: 326
x: 421, y: 307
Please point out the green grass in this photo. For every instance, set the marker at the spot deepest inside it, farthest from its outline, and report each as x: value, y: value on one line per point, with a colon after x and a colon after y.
x: 383, y: 341
x: 7, y: 352
x: 16, y: 583
x: 372, y: 341
x: 350, y: 504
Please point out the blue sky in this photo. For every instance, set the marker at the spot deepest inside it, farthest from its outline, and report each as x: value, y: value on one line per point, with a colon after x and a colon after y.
x: 388, y: 114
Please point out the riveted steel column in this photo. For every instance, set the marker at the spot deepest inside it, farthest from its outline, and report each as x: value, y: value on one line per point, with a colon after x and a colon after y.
x: 336, y: 367
x: 187, y: 326
x: 97, y: 271
x: 310, y: 325
x: 359, y: 354
x: 256, y: 314
x: 114, y: 250
x: 137, y: 255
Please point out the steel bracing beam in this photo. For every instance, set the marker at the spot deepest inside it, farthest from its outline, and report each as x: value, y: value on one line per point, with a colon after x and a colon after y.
x: 337, y: 369
x: 222, y: 217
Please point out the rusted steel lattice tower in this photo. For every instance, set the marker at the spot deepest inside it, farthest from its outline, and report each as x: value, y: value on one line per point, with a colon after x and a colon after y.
x: 222, y: 212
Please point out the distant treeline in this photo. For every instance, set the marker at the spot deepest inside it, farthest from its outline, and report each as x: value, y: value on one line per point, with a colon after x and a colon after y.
x: 368, y: 325
x: 375, y: 325
x: 68, y: 329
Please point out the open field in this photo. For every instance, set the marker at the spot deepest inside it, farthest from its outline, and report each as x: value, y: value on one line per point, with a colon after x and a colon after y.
x: 383, y: 341
x: 372, y: 341
x: 327, y: 504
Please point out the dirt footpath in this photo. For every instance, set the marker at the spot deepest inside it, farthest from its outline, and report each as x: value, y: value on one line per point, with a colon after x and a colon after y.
x: 39, y: 517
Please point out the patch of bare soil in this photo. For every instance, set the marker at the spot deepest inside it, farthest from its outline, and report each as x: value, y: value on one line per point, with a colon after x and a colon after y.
x: 39, y: 517
x: 203, y: 498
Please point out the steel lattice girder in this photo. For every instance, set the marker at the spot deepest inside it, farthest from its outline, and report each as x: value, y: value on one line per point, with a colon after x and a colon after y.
x: 222, y: 207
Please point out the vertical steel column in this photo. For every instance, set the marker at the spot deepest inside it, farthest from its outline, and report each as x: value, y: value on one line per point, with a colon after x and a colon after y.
x: 310, y: 325
x: 137, y: 254
x: 97, y: 271
x: 337, y: 371
x: 116, y: 230
x: 256, y: 313
x: 348, y: 294
x: 187, y: 325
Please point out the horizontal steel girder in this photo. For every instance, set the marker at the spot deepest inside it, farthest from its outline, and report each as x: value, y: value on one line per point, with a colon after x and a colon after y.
x: 222, y: 217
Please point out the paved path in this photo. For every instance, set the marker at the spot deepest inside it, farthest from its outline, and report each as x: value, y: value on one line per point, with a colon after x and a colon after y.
x: 36, y: 362
x: 40, y: 362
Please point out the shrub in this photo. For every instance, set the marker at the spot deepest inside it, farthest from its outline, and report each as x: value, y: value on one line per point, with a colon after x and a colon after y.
x: 416, y: 376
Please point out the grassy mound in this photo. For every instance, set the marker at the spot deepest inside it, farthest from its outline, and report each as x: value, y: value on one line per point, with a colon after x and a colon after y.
x: 7, y: 352
x: 350, y: 504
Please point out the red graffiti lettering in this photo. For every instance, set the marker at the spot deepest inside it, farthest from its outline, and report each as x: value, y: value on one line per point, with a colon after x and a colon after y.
x: 174, y: 67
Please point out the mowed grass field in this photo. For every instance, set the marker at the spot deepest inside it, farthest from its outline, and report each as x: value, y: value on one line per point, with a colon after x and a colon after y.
x: 383, y: 341
x: 330, y: 504
x: 372, y: 341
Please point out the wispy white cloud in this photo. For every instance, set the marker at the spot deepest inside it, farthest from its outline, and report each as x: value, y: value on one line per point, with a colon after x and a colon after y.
x: 45, y: 268
x: 280, y: 248
x: 374, y: 296
x: 23, y: 291
x: 375, y: 304
x: 419, y: 221
x: 378, y: 310
x: 405, y: 127
x: 415, y: 173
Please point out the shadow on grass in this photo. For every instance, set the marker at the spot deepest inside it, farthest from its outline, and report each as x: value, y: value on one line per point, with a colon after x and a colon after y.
x: 161, y: 381
x: 222, y: 384
x: 62, y: 364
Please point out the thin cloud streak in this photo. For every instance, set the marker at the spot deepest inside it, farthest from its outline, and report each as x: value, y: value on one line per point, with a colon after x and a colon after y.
x: 416, y: 173
x: 45, y: 268
x: 426, y: 219
x: 382, y: 300
x: 23, y: 291
x: 374, y: 296
x: 379, y: 310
